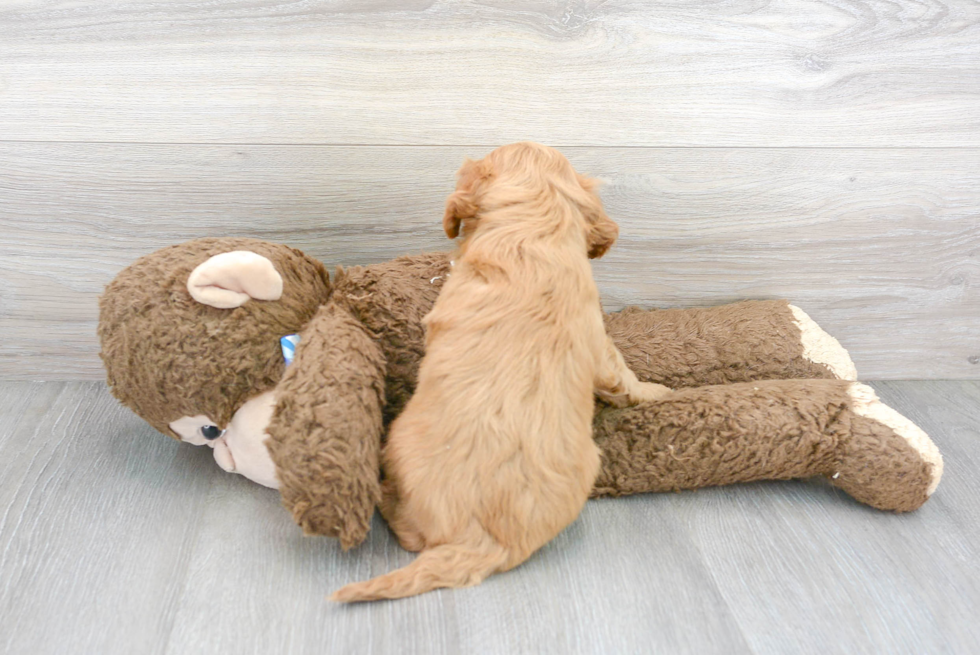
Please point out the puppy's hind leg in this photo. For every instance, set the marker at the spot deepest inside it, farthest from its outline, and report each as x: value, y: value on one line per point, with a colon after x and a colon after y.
x: 408, y: 536
x: 617, y: 384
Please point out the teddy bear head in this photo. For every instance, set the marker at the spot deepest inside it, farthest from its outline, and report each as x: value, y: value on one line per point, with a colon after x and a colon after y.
x: 192, y: 331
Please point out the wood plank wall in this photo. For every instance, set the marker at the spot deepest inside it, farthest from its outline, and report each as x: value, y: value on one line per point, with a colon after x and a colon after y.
x: 826, y: 152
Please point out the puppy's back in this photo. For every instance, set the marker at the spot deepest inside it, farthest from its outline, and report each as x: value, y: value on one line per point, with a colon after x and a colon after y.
x: 493, y: 455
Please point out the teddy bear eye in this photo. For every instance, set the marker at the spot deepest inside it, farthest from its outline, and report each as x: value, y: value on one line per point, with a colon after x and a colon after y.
x: 210, y: 431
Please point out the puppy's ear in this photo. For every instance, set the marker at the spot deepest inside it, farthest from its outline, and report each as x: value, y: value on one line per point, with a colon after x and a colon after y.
x: 459, y: 205
x: 602, y: 231
x: 601, y: 235
x: 462, y: 203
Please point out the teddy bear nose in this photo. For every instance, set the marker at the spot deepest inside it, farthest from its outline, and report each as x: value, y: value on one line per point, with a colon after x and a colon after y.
x: 210, y: 432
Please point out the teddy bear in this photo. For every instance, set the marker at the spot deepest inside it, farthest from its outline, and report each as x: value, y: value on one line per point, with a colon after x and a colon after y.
x: 292, y: 377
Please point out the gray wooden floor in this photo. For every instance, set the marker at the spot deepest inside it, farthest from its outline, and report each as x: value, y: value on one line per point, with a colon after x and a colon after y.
x: 115, y: 539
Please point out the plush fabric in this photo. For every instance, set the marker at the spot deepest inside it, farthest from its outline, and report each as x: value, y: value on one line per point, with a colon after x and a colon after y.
x: 390, y: 300
x: 326, y: 432
x: 750, y: 340
x: 763, y: 430
x: 168, y: 356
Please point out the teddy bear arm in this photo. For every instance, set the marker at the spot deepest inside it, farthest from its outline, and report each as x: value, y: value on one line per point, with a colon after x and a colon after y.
x: 768, y: 430
x: 740, y: 342
x: 325, y: 435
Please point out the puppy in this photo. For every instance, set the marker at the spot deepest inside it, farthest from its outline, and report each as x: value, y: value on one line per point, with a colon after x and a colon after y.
x: 493, y: 456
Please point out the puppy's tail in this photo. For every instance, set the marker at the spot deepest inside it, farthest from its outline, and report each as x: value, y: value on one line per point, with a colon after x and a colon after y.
x: 449, y: 565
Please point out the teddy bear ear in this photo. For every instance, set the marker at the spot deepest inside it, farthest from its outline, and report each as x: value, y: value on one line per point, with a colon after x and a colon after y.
x: 232, y: 278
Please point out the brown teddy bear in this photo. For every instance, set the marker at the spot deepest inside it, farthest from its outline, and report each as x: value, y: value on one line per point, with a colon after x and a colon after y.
x: 191, y: 340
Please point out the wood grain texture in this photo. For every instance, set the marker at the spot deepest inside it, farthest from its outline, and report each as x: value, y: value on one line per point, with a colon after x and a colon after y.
x: 881, y: 247
x: 859, y: 563
x: 574, y: 72
x: 85, y: 551
x: 115, y: 539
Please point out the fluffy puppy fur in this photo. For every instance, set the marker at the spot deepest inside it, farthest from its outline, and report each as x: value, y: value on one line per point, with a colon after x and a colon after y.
x: 493, y: 455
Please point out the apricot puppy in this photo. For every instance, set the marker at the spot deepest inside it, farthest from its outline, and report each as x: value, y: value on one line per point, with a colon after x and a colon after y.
x: 493, y: 456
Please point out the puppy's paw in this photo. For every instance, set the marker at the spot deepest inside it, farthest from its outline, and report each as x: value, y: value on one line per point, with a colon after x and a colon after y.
x: 620, y: 399
x: 646, y: 392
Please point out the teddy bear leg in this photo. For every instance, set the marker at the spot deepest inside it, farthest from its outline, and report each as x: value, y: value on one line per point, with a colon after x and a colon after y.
x: 768, y: 430
x: 740, y: 342
x: 821, y: 348
x: 885, y: 461
x: 722, y: 434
